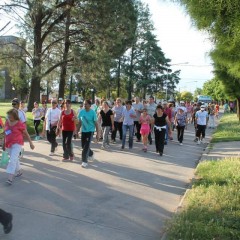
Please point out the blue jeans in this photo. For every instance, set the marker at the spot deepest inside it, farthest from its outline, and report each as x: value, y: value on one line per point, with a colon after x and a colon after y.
x: 124, y: 129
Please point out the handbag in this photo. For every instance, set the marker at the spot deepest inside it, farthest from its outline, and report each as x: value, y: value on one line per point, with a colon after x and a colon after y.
x: 4, y: 158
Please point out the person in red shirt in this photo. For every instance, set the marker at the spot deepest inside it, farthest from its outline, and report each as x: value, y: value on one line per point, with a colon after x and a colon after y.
x: 67, y: 122
x: 168, y: 112
x: 14, y: 131
x: 217, y: 110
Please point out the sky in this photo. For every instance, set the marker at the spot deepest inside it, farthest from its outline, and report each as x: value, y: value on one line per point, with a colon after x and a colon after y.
x: 182, y: 43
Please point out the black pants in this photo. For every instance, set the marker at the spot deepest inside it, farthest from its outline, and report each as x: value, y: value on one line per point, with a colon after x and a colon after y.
x: 201, y: 131
x: 36, y: 125
x: 51, y: 137
x: 67, y: 143
x: 117, y: 127
x: 4, y: 217
x: 138, y: 127
x: 180, y: 132
x: 150, y: 136
x: 159, y: 139
x: 86, y: 140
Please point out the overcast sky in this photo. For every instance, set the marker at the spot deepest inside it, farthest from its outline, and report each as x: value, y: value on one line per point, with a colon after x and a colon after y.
x: 181, y: 42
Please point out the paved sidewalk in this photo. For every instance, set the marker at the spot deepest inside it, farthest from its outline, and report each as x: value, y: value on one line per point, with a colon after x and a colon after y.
x: 121, y: 196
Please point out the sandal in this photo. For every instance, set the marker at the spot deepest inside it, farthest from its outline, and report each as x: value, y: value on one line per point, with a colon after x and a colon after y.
x: 9, y: 182
x: 19, y: 174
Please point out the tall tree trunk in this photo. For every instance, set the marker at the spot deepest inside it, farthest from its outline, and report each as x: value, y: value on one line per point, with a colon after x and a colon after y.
x: 34, y: 94
x: 130, y: 76
x: 238, y: 108
x: 118, y: 77
x: 63, y: 74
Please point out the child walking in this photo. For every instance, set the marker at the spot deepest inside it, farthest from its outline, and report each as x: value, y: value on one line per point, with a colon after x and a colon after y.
x: 145, y: 121
x: 14, y: 132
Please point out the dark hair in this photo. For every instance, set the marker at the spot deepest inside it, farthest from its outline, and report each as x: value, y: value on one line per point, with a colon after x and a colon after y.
x: 88, y: 101
x: 128, y: 102
x: 159, y: 107
x: 105, y: 102
x: 36, y: 102
x: 13, y: 112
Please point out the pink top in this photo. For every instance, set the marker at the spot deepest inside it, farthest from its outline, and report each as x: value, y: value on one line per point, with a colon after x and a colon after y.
x: 145, y: 120
x: 14, y: 134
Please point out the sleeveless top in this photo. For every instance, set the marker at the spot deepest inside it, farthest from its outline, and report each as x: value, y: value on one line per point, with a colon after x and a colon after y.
x: 160, y: 121
x: 67, y: 123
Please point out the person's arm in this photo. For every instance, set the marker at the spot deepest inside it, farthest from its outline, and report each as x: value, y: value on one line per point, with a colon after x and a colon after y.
x: 112, y: 121
x: 59, y: 124
x: 25, y: 133
x: 152, y: 123
x: 169, y: 124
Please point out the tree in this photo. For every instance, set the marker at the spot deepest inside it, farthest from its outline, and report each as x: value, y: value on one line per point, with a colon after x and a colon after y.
x: 186, y: 96
x: 198, y: 91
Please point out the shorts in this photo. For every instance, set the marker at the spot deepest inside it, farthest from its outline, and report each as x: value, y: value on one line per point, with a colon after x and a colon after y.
x: 145, y: 129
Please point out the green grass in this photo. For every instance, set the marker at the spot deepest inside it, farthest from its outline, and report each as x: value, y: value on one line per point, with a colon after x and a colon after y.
x: 228, y: 129
x: 4, y: 107
x: 212, y: 206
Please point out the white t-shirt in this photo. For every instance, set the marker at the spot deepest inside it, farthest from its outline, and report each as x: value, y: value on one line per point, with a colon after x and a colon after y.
x: 151, y: 108
x: 52, y: 116
x: 22, y: 116
x: 137, y: 106
x: 201, y: 117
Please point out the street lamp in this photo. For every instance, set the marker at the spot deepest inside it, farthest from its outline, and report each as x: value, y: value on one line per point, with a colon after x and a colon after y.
x: 175, y: 64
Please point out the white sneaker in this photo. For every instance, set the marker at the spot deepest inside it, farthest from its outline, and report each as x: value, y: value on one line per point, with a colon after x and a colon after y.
x: 84, y: 164
x: 180, y: 144
x: 103, y: 148
x: 198, y: 142
x: 51, y: 154
x: 203, y: 140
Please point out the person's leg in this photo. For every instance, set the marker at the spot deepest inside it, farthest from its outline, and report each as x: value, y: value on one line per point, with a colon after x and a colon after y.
x: 6, y: 221
x: 203, y: 131
x: 150, y: 137
x: 162, y: 135
x: 131, y: 131
x: 124, y: 133
x: 69, y: 143
x: 114, y: 132
x: 157, y: 138
x: 36, y: 125
x: 64, y: 144
x: 86, y: 140
x: 198, y: 133
x: 178, y: 133
x: 108, y: 129
x: 138, y: 127
x: 105, y: 132
x: 13, y: 164
x: 120, y: 125
x: 181, y: 134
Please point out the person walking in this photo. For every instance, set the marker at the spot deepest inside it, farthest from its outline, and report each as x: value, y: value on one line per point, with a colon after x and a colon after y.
x: 6, y: 221
x: 128, y: 117
x: 106, y: 117
x: 21, y: 113
x: 88, y: 123
x: 145, y: 121
x: 50, y: 125
x: 44, y: 110
x: 22, y: 106
x: 181, y: 121
x: 151, y: 108
x: 168, y: 112
x: 159, y: 122
x: 211, y: 114
x: 14, y: 131
x: 201, y: 122
x: 37, y: 115
x: 138, y: 107
x: 67, y: 123
x: 117, y: 111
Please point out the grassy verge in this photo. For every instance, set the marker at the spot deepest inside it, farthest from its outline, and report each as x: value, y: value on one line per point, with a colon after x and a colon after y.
x: 212, y: 206
x: 5, y: 106
x: 228, y: 129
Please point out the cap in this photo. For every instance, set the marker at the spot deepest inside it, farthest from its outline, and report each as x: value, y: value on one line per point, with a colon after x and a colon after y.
x: 182, y: 102
x: 15, y: 100
x: 164, y: 102
x: 60, y: 99
x: 181, y: 108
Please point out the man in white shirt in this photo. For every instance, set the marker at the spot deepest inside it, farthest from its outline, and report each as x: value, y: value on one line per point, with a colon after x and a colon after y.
x: 50, y: 125
x: 151, y: 108
x: 201, y: 122
x: 138, y: 107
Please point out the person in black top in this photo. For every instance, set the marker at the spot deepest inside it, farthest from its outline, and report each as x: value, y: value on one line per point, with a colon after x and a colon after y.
x: 6, y: 221
x: 159, y: 122
x: 106, y: 115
